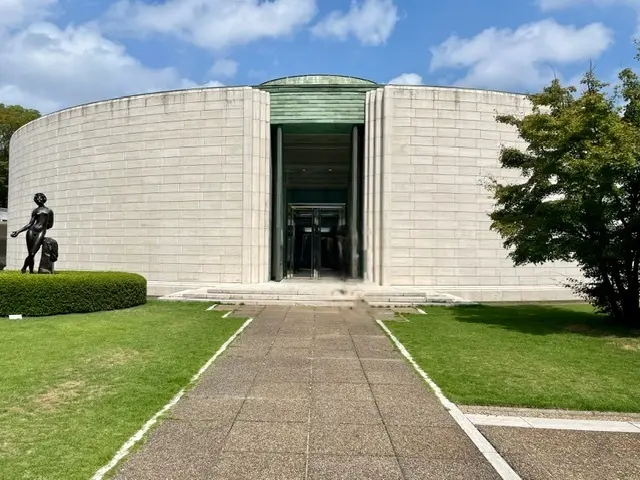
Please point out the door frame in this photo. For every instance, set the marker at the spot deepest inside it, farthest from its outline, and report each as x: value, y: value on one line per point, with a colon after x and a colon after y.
x: 315, y: 209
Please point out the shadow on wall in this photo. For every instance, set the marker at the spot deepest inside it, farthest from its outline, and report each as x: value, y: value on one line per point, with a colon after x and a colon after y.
x: 535, y: 319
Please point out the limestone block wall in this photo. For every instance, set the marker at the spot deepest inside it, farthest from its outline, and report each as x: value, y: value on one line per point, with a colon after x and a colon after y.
x: 440, y: 144
x: 173, y: 185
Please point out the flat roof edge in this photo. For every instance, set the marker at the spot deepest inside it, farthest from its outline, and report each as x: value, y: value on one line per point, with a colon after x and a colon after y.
x: 265, y: 87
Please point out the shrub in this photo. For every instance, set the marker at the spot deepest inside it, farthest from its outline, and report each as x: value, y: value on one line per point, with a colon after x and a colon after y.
x: 69, y: 292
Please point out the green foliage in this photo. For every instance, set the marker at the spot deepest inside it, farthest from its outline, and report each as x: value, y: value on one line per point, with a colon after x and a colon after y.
x: 69, y: 292
x: 12, y: 117
x: 74, y: 388
x: 579, y: 197
x: 536, y: 355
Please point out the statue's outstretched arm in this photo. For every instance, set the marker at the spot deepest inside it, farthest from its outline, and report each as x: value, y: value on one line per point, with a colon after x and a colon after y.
x: 27, y: 226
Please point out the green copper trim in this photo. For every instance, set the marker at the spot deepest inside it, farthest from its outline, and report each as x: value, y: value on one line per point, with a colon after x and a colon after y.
x: 318, y: 79
x: 309, y: 99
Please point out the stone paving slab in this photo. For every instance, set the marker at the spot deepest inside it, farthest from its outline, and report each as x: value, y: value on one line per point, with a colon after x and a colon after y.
x: 554, y: 423
x: 563, y: 455
x: 550, y: 413
x: 308, y: 393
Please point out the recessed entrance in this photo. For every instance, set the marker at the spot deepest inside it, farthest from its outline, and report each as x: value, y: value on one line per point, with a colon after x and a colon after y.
x: 316, y: 242
x: 317, y: 201
x: 317, y: 152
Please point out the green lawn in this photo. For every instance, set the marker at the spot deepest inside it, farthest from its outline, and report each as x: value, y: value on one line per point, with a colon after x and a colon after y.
x: 546, y: 356
x: 73, y: 388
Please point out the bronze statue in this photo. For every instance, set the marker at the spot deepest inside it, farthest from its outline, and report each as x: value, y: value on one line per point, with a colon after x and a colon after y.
x: 49, y: 256
x: 41, y: 221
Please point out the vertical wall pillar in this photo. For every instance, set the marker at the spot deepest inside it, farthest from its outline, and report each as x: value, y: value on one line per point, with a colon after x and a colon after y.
x: 279, y: 209
x: 366, y: 220
x: 355, y: 197
x: 377, y: 188
x: 370, y: 191
x: 375, y: 154
x: 386, y: 186
x: 255, y: 189
x: 248, y: 166
x: 265, y: 186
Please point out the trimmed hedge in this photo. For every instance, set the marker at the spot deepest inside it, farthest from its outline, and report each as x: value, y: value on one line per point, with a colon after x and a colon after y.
x: 36, y: 295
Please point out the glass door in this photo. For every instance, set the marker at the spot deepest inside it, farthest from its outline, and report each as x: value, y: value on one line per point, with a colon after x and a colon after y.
x: 300, y: 243
x: 313, y: 233
x: 328, y: 252
x: 316, y: 241
x: 290, y: 244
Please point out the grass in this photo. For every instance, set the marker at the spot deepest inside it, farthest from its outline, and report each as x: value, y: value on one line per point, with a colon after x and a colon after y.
x: 73, y: 388
x: 543, y: 356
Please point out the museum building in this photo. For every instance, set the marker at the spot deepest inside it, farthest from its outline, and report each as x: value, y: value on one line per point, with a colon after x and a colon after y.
x: 255, y: 184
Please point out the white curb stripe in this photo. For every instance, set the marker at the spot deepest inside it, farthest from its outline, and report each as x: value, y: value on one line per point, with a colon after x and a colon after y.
x: 136, y: 437
x: 493, y: 457
x: 227, y: 314
x: 212, y: 307
x: 421, y: 311
x: 554, y: 423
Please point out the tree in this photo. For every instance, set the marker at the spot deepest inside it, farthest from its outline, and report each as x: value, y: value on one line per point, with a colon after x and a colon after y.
x: 579, y: 197
x: 12, y: 117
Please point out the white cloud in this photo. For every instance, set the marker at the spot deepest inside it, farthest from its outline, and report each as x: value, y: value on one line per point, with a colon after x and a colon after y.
x: 554, y: 5
x: 406, y: 79
x: 550, y: 5
x: 212, y: 24
x: 370, y: 21
x: 213, y: 83
x: 522, y: 58
x: 14, y: 13
x: 14, y: 95
x: 46, y: 67
x: 224, y: 68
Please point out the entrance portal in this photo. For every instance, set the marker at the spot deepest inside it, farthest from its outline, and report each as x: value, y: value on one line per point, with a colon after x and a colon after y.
x: 317, y: 201
x: 316, y: 241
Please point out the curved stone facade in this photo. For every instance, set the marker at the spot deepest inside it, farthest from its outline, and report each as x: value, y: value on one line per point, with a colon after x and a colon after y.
x: 441, y: 144
x: 177, y: 186
x: 169, y: 185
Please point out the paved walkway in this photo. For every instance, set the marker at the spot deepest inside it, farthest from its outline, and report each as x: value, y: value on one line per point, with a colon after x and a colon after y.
x: 545, y: 454
x: 309, y: 393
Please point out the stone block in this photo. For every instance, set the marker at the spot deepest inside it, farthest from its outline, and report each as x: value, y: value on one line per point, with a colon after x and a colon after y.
x: 139, y: 151
x: 465, y: 150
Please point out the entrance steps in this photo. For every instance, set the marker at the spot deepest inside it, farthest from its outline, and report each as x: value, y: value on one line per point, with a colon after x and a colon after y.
x: 315, y: 293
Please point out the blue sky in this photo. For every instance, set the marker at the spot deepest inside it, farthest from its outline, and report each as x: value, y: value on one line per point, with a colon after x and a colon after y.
x: 57, y: 53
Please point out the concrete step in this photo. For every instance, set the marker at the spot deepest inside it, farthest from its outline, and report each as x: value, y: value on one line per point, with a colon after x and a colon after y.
x: 265, y: 302
x: 393, y: 304
x: 292, y: 302
x: 280, y: 296
x: 395, y: 293
x: 229, y: 297
x: 314, y: 295
x: 395, y: 298
x: 406, y: 304
x: 252, y: 291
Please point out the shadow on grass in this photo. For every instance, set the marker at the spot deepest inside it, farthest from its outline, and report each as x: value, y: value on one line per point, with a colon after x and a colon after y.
x: 542, y: 320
